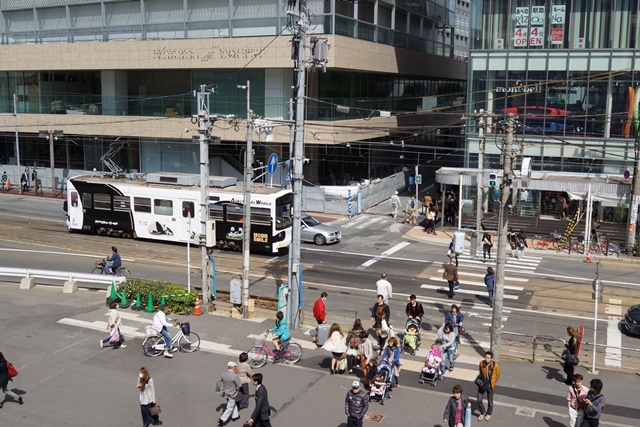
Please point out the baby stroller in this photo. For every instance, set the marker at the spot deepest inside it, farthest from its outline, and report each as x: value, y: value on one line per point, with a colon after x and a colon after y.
x: 411, y: 337
x: 431, y: 371
x: 382, y: 383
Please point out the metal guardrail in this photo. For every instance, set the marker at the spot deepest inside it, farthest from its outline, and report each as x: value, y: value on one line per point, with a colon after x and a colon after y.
x: 60, y: 275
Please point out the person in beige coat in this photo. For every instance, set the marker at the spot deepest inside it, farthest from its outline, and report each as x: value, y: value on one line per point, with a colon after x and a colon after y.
x: 113, y: 326
x: 245, y: 373
x: 451, y: 274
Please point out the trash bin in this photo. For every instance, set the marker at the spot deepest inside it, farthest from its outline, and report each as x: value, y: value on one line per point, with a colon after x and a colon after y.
x: 474, y: 243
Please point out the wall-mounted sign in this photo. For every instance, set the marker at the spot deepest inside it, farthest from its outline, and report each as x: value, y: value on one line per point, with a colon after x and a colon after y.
x: 580, y: 44
x: 537, y: 15
x: 557, y: 35
x: 522, y: 16
x: 520, y: 37
x: 557, y: 14
x: 536, y: 36
x: 500, y: 44
x: 518, y: 89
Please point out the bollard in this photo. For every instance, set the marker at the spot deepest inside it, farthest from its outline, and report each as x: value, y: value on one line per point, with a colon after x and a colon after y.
x: 27, y: 283
x: 70, y: 287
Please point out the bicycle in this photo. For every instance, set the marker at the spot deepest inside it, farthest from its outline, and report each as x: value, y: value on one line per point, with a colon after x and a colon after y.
x: 154, y: 343
x: 260, y: 353
x: 102, y: 268
x: 550, y: 241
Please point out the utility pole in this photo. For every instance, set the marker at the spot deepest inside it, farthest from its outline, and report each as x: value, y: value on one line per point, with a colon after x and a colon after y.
x: 503, y: 225
x: 299, y: 43
x: 205, y: 124
x: 15, y: 123
x: 480, y: 181
x: 635, y: 196
x: 246, y: 230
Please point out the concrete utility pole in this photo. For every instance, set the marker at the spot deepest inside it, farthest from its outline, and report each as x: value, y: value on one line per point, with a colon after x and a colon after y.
x: 503, y: 226
x: 299, y: 42
x: 246, y: 229
x: 635, y: 197
x: 15, y: 123
x: 480, y: 184
x: 205, y: 124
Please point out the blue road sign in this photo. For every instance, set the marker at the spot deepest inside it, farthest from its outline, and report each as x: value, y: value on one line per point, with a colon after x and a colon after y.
x: 273, y: 164
x: 288, y: 177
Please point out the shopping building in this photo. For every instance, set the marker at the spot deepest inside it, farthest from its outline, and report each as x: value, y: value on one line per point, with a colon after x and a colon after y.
x: 103, y: 71
x: 569, y: 71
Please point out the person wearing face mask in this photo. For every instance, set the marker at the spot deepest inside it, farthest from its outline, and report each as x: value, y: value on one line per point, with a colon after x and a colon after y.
x: 113, y: 326
x: 147, y: 398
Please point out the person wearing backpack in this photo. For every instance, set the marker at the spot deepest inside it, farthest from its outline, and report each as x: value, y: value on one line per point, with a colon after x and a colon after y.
x: 353, y: 344
x: 521, y: 242
x: 5, y: 377
x: 593, y: 404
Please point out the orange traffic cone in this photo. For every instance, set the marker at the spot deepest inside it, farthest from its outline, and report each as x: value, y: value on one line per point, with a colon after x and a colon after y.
x: 588, y: 255
x: 9, y: 183
x: 196, y: 310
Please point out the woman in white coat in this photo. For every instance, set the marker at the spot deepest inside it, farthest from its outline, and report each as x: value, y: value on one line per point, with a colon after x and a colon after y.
x: 336, y: 345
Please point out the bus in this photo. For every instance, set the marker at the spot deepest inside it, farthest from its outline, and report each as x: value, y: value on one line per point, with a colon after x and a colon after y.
x: 165, y: 207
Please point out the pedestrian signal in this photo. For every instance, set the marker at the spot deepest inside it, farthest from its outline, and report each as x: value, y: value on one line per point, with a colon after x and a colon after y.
x: 493, y: 178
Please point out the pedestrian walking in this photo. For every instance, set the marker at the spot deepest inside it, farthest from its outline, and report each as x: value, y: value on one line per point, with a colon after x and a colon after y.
x: 450, y: 274
x: 447, y: 337
x: 436, y: 212
x: 384, y: 288
x: 392, y: 355
x: 229, y: 386
x: 490, y: 283
x: 356, y: 405
x: 452, y: 252
x: 426, y: 202
x: 455, y: 319
x: 456, y: 409
x: 486, y: 246
x: 365, y: 353
x: 380, y: 315
x: 414, y: 309
x: 4, y: 181
x: 319, y: 312
x: 563, y: 207
x: 430, y: 226
x: 395, y: 204
x: 246, y: 377
x: 593, y: 404
x: 354, y: 341
x: 410, y: 211
x: 114, y: 322
x: 571, y: 347
x: 513, y: 242
x: 262, y: 413
x: 489, y: 370
x: 336, y: 345
x: 147, y: 392
x: 521, y: 242
x: 5, y: 377
x: 575, y: 400
x: 24, y: 180
x: 412, y: 184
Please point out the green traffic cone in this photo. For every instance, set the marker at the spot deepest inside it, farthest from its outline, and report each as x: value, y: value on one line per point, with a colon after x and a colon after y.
x: 123, y: 300
x: 114, y: 294
x: 138, y: 306
x: 162, y: 301
x: 150, y: 308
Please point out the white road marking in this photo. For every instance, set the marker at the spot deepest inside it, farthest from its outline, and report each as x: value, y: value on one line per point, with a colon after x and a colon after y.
x: 384, y: 254
x: 480, y: 284
x: 354, y: 222
x: 464, y: 273
x: 62, y: 253
x: 613, y: 354
x: 368, y: 223
x: 464, y: 291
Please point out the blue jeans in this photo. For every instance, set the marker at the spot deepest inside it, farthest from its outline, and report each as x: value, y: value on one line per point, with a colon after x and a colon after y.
x: 167, y: 338
x: 447, y: 354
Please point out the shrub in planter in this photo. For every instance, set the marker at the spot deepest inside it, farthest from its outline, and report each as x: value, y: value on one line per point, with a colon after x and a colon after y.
x: 179, y: 305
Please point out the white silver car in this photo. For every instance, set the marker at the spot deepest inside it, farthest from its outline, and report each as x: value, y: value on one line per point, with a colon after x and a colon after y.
x: 313, y: 231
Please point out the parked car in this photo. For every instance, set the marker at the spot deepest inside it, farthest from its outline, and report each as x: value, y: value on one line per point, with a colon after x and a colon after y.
x: 314, y: 231
x: 632, y: 320
x: 536, y: 111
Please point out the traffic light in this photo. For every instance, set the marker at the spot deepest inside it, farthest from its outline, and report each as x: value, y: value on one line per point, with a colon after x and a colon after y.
x: 493, y: 178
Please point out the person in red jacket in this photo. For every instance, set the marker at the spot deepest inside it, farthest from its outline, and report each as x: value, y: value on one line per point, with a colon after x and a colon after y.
x: 318, y: 308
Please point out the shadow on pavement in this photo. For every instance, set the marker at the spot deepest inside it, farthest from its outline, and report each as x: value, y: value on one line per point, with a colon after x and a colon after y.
x: 552, y: 423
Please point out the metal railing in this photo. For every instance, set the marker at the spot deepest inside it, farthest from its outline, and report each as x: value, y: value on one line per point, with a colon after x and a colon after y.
x: 60, y: 275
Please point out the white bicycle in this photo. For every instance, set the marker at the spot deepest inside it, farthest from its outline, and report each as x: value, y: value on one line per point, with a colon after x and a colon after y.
x: 186, y: 340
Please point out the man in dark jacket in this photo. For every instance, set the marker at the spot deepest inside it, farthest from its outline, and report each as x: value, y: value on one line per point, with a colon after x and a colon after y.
x: 356, y: 405
x: 454, y: 412
x: 260, y: 415
x: 414, y: 309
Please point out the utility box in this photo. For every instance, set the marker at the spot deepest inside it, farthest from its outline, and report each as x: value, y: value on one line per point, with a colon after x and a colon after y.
x: 211, y: 233
x: 458, y: 242
x: 235, y: 292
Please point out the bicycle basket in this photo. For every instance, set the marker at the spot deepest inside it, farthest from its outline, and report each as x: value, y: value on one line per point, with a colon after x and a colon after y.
x: 186, y: 328
x: 149, y: 331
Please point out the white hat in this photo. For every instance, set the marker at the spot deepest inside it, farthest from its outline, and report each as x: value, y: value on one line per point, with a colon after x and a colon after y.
x: 355, y: 384
x: 231, y: 365
x: 396, y: 192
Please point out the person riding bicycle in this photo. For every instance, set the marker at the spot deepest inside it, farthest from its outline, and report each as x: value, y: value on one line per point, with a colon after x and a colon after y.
x: 160, y: 324
x: 117, y: 261
x: 281, y: 332
x: 455, y: 319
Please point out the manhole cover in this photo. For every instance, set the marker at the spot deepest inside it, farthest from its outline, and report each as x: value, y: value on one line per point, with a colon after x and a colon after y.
x: 382, y: 244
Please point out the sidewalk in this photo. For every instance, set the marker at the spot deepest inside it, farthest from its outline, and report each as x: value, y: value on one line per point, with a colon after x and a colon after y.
x: 523, y: 387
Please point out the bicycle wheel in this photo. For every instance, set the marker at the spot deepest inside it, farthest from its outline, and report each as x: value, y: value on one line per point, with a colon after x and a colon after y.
x: 153, y: 346
x: 97, y: 270
x: 292, y: 353
x: 257, y: 357
x: 124, y: 272
x: 189, y: 343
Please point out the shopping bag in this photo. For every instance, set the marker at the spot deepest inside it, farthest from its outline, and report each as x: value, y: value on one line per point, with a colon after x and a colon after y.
x: 115, y: 337
x: 13, y: 372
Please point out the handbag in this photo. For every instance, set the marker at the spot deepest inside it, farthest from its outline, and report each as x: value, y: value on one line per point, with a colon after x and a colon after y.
x: 155, y: 410
x: 456, y: 285
x: 13, y: 372
x: 482, y: 382
x: 572, y: 359
x: 384, y: 325
x: 565, y: 354
x: 343, y: 364
x: 115, y: 337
